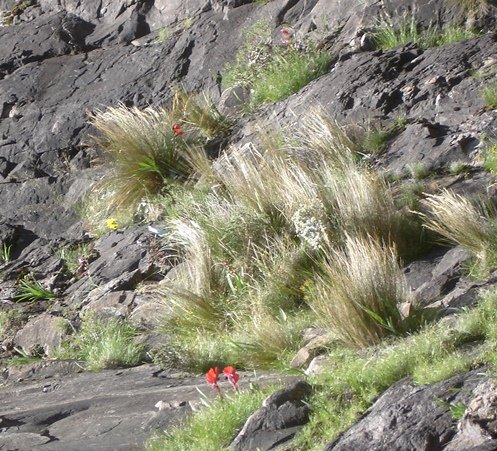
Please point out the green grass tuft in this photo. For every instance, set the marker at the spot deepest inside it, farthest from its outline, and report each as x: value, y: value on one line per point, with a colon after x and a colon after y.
x: 489, y: 94
x: 271, y: 70
x: 287, y: 74
x: 215, y: 426
x: 377, y: 138
x: 104, y: 344
x: 387, y: 36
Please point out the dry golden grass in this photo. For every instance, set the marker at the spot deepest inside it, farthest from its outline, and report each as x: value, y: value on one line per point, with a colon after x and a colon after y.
x: 460, y: 221
x: 200, y: 114
x: 362, y: 205
x: 321, y: 139
x: 144, y: 152
x: 358, y: 290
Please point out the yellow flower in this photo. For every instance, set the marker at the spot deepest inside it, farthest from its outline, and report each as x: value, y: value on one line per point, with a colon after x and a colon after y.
x: 112, y: 224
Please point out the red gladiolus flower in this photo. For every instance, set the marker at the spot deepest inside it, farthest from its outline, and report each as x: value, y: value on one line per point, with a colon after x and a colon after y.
x: 212, y: 377
x: 177, y: 130
x: 232, y: 376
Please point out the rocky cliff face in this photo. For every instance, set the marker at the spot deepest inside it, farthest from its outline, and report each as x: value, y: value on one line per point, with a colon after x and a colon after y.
x: 60, y: 61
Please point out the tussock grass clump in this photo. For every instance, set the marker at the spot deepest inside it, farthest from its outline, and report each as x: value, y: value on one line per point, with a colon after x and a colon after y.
x: 363, y: 204
x: 358, y: 292
x: 322, y: 140
x: 388, y: 36
x: 104, y: 344
x: 144, y: 151
x: 250, y: 247
x: 151, y: 152
x: 200, y: 114
x: 460, y: 221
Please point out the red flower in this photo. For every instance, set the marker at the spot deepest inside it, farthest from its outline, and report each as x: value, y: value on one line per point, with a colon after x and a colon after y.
x: 232, y: 376
x: 212, y: 376
x: 177, y: 130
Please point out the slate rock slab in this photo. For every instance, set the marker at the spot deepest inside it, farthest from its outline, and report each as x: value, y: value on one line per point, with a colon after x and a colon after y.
x: 109, y: 410
x: 282, y: 415
x: 410, y: 417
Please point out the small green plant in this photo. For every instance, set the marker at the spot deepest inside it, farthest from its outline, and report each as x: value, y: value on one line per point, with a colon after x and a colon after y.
x: 76, y: 257
x: 457, y: 410
x: 214, y: 426
x: 489, y: 94
x: 388, y: 36
x: 164, y: 34
x: 22, y: 360
x: 30, y: 290
x: 490, y: 157
x: 418, y: 170
x: 377, y: 138
x: 6, y: 251
x: 104, y: 344
x: 459, y: 167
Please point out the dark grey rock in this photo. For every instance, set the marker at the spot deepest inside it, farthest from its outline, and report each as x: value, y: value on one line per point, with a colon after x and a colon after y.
x: 408, y: 417
x: 478, y: 427
x: 116, y: 304
x: 45, y: 37
x: 119, y: 266
x: 113, y: 409
x: 44, y: 332
x: 283, y: 414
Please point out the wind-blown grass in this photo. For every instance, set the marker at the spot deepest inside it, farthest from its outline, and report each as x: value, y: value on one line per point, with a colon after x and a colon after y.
x: 358, y: 293
x: 251, y: 243
x: 460, y: 221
